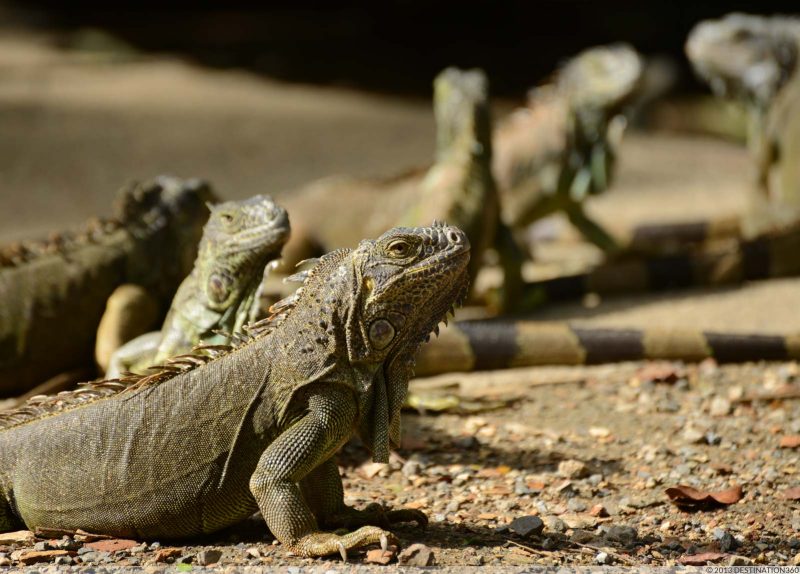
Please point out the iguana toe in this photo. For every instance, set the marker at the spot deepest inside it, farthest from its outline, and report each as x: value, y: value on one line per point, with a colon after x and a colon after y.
x: 326, y: 543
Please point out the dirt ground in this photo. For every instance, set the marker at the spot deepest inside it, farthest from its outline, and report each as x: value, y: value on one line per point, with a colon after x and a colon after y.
x: 588, y: 451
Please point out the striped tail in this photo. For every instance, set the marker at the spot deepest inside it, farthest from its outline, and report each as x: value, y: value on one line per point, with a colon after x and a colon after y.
x: 768, y: 256
x: 499, y: 344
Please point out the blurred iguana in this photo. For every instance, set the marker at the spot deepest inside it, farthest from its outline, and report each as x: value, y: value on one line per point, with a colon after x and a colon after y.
x: 54, y: 293
x: 753, y: 60
x: 219, y: 296
x: 561, y: 148
x: 222, y: 432
x: 338, y: 211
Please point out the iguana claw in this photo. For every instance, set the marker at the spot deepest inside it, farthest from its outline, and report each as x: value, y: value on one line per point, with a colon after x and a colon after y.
x: 384, y: 543
x: 327, y: 543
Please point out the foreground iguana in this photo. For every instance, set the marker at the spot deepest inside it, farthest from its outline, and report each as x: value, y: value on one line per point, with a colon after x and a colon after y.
x: 219, y: 296
x: 54, y: 293
x: 500, y: 344
x: 754, y: 60
x: 561, y: 148
x: 338, y: 211
x: 223, y: 432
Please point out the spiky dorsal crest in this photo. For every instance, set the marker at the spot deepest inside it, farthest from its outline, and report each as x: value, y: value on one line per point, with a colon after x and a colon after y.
x: 43, y: 406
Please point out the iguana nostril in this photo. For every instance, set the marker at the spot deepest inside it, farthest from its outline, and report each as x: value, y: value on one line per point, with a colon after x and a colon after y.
x: 454, y: 236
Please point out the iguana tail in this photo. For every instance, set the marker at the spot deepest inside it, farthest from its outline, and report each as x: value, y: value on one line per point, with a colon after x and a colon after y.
x: 768, y: 256
x: 671, y: 237
x: 499, y: 344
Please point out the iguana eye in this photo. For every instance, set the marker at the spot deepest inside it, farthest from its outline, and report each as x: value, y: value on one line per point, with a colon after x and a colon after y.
x: 399, y: 248
x: 226, y: 218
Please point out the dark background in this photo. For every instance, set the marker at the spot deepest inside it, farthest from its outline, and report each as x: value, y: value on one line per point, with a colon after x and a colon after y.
x: 392, y: 46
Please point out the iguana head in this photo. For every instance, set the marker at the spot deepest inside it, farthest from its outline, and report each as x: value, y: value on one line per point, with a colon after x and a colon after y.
x: 461, y: 107
x: 601, y: 80
x: 744, y: 56
x: 174, y: 211
x: 409, y: 279
x: 406, y: 282
x: 240, y: 238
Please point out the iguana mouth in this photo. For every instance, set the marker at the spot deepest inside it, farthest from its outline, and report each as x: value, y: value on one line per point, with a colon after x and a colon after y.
x: 263, y: 234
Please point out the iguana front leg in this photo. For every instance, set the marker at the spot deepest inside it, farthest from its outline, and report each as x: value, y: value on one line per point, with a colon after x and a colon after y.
x: 304, y: 446
x: 323, y: 491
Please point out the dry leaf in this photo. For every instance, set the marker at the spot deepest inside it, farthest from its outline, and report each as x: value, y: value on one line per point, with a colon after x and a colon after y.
x: 790, y: 493
x: 701, y: 559
x: 690, y: 498
x: 658, y: 372
x: 790, y: 441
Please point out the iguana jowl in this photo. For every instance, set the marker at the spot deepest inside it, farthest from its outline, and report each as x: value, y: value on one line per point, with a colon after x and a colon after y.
x: 220, y: 433
x: 54, y: 293
x: 218, y: 297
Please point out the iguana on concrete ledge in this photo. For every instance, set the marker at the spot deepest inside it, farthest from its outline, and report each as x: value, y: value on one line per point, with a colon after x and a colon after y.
x: 561, y: 148
x: 501, y: 344
x: 54, y: 293
x: 221, y: 432
x: 219, y: 295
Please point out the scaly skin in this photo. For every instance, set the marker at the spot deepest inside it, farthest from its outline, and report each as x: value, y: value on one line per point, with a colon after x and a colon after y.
x: 55, y: 293
x: 223, y: 432
x: 552, y: 155
x: 218, y: 297
x: 458, y: 188
x: 754, y: 60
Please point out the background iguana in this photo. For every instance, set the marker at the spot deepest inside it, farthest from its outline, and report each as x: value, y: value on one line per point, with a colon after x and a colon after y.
x: 500, y: 344
x: 222, y: 432
x: 339, y: 211
x: 754, y: 60
x: 54, y: 293
x: 219, y: 296
x: 561, y: 148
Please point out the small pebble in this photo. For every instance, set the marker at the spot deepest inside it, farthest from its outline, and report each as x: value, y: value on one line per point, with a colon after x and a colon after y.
x: 527, y: 526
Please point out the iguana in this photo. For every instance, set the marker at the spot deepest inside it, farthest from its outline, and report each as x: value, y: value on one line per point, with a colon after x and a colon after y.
x: 222, y: 432
x: 754, y: 61
x: 219, y: 295
x: 561, y: 148
x: 458, y: 188
x: 500, y: 344
x: 54, y: 292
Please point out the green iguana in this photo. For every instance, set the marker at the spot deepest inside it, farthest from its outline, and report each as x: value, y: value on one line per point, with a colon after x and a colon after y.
x: 500, y: 344
x: 219, y: 295
x: 561, y: 148
x: 54, y: 293
x: 458, y: 187
x: 222, y: 432
x: 754, y: 60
